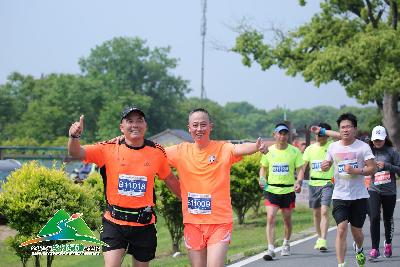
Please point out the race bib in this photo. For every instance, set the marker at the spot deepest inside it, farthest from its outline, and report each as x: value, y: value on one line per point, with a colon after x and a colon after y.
x: 199, y: 203
x: 280, y: 168
x: 341, y: 171
x: 382, y: 177
x: 132, y: 185
x: 316, y: 165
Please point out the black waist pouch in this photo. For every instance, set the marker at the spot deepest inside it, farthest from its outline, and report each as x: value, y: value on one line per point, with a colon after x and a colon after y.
x: 139, y: 215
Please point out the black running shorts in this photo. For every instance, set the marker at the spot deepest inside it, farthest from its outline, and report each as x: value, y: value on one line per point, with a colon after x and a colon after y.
x: 140, y: 241
x: 354, y: 211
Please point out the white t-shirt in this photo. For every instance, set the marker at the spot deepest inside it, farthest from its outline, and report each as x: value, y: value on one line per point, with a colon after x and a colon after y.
x: 349, y: 187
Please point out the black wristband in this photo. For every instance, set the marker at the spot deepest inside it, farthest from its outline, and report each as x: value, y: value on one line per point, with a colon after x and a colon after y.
x: 74, y: 136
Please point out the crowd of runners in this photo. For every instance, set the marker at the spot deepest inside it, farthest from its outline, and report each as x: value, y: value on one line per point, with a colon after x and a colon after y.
x: 338, y: 164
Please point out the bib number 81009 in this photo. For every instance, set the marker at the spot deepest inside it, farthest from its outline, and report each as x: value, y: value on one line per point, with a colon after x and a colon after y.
x: 199, y: 203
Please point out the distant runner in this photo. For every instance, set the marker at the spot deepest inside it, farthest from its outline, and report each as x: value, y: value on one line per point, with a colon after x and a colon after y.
x: 382, y: 191
x: 277, y: 178
x: 320, y: 183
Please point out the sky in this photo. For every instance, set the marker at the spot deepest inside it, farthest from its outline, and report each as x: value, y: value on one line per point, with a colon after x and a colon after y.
x: 49, y: 36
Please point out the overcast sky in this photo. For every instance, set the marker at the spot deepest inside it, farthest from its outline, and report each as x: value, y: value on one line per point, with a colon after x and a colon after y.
x: 49, y: 36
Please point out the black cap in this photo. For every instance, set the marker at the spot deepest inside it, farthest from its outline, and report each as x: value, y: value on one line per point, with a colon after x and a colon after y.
x: 128, y: 110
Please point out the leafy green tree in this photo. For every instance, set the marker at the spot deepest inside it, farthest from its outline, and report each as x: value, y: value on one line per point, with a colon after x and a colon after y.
x: 249, y: 122
x: 355, y: 42
x: 43, y: 109
x: 24, y: 253
x: 15, y: 96
x: 33, y: 194
x: 170, y: 208
x: 127, y: 65
x: 245, y: 191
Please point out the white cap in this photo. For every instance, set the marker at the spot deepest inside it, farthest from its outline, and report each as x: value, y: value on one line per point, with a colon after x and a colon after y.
x: 378, y: 133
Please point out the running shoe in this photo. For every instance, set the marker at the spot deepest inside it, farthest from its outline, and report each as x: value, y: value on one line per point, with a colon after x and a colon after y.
x: 269, y: 256
x: 360, y: 257
x: 285, y: 250
x: 317, y: 244
x: 374, y: 254
x: 322, y: 245
x: 388, y: 250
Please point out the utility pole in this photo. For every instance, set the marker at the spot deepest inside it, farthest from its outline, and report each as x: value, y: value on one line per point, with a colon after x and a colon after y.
x: 203, y: 37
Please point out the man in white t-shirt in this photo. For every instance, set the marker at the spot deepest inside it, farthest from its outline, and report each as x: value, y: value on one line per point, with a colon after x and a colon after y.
x: 352, y: 160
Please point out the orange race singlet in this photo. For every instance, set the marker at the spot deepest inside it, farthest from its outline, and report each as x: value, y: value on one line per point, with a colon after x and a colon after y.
x: 204, y: 176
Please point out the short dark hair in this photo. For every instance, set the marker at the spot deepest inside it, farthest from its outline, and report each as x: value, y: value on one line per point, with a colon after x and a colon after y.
x: 325, y: 125
x: 347, y: 117
x: 200, y: 110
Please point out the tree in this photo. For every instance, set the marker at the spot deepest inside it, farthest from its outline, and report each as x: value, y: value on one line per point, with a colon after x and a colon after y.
x: 170, y: 208
x: 245, y: 190
x: 33, y: 194
x: 354, y: 42
x: 250, y: 122
x: 43, y: 108
x: 127, y: 66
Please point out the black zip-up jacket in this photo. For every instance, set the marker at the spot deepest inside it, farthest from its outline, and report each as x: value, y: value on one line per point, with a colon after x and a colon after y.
x: 391, y: 159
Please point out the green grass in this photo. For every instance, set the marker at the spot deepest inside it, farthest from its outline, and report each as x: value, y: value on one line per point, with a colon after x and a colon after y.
x: 248, y: 239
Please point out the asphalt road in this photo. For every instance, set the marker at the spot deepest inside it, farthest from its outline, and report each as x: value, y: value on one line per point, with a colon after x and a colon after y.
x: 304, y: 255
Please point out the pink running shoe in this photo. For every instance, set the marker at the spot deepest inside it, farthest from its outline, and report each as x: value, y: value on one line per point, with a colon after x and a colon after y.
x: 374, y: 254
x: 388, y: 250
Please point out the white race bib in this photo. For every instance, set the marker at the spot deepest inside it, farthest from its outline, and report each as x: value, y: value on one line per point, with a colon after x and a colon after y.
x: 199, y: 203
x: 382, y: 177
x: 353, y: 163
x: 132, y: 185
x: 316, y: 165
x: 280, y: 168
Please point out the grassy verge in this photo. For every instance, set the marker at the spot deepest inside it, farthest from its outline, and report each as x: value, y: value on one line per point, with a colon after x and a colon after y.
x: 248, y: 239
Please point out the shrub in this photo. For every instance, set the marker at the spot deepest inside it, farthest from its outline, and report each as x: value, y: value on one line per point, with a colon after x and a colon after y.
x: 33, y: 194
x: 245, y: 191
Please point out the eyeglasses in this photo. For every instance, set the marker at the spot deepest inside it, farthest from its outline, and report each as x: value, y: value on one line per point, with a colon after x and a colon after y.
x: 344, y: 127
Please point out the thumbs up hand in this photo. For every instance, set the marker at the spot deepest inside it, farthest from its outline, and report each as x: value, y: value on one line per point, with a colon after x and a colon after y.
x: 76, y: 128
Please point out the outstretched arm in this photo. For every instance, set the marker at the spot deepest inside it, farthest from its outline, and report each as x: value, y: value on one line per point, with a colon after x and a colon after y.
x: 250, y: 148
x: 75, y: 150
x: 330, y: 133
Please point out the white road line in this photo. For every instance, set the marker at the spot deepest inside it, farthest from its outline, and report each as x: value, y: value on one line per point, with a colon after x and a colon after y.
x: 260, y: 255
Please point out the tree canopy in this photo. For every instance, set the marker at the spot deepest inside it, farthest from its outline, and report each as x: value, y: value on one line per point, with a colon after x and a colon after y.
x: 353, y: 42
x: 122, y: 72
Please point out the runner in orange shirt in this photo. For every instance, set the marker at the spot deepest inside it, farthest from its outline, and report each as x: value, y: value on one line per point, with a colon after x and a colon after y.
x: 204, y: 174
x: 128, y: 169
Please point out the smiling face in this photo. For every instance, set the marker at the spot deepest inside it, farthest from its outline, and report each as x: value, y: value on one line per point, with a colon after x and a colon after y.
x: 200, y: 127
x: 134, y: 127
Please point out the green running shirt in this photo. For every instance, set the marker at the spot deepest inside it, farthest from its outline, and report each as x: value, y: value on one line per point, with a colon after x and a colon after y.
x: 281, y: 166
x: 315, y: 154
